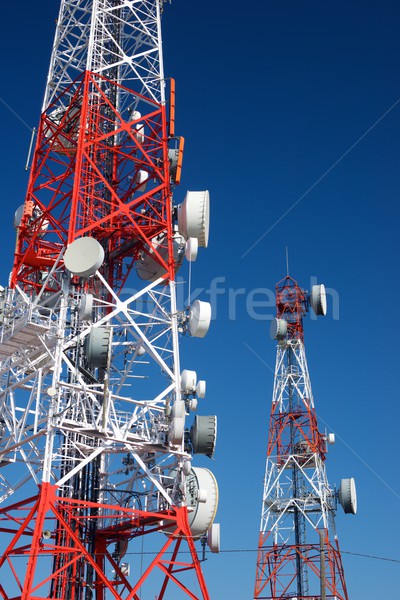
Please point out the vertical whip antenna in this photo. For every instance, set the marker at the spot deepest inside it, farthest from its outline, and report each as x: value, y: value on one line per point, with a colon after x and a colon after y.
x: 287, y: 262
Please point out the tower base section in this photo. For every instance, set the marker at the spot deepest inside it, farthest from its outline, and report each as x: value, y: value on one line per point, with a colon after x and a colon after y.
x: 96, y: 551
x: 277, y: 576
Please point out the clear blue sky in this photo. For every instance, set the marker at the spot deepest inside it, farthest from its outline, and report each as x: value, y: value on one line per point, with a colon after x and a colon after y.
x: 287, y: 106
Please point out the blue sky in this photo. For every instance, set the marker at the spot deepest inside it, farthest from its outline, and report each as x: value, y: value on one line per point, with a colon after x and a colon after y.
x: 291, y: 114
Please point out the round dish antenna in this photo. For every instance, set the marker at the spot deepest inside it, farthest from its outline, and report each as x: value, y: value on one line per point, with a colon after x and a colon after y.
x: 84, y: 256
x: 278, y: 329
x: 318, y: 299
x: 348, y: 496
x: 191, y: 249
x: 86, y: 307
x: 139, y: 135
x: 178, y: 409
x: 37, y: 213
x: 176, y: 430
x: 194, y: 217
x: 18, y: 216
x: 203, y: 435
x: 177, y: 425
x: 140, y: 350
x: 199, y: 318
x: 192, y: 404
x: 202, y: 517
x: 148, y: 267
x: 141, y: 179
x: 188, y: 381
x: 201, y: 388
x: 214, y: 538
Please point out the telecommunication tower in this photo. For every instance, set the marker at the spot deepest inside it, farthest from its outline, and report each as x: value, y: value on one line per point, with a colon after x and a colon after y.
x: 96, y: 446
x: 298, y: 552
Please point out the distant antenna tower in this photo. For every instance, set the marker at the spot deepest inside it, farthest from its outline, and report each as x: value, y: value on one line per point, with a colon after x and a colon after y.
x: 97, y: 434
x: 298, y: 552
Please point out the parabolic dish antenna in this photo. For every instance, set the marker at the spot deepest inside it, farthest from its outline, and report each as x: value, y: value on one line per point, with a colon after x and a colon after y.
x: 176, y: 431
x: 178, y: 409
x: 194, y: 217
x: 84, y: 256
x: 148, y: 267
x: 192, y: 248
x: 141, y: 179
x: 86, y: 307
x: 18, y: 216
x: 318, y: 299
x: 214, y: 538
x: 37, y: 213
x: 201, y: 388
x: 177, y: 425
x: 348, y: 496
x: 188, y: 381
x: 199, y: 318
x: 201, y: 483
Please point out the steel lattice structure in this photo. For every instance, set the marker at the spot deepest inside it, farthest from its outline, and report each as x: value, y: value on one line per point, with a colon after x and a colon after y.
x: 94, y: 449
x: 298, y: 552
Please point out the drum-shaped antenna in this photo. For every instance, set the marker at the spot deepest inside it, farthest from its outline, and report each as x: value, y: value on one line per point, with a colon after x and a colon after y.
x: 348, y: 496
x: 203, y: 435
x: 97, y: 347
x: 194, y: 217
x: 318, y: 299
x: 278, y: 329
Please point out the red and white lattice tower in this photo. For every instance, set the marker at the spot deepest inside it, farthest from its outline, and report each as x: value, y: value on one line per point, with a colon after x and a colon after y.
x: 298, y: 551
x: 95, y: 440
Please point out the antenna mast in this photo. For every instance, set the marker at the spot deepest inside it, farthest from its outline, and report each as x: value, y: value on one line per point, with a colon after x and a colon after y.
x: 287, y: 262
x: 96, y: 447
x: 298, y: 552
